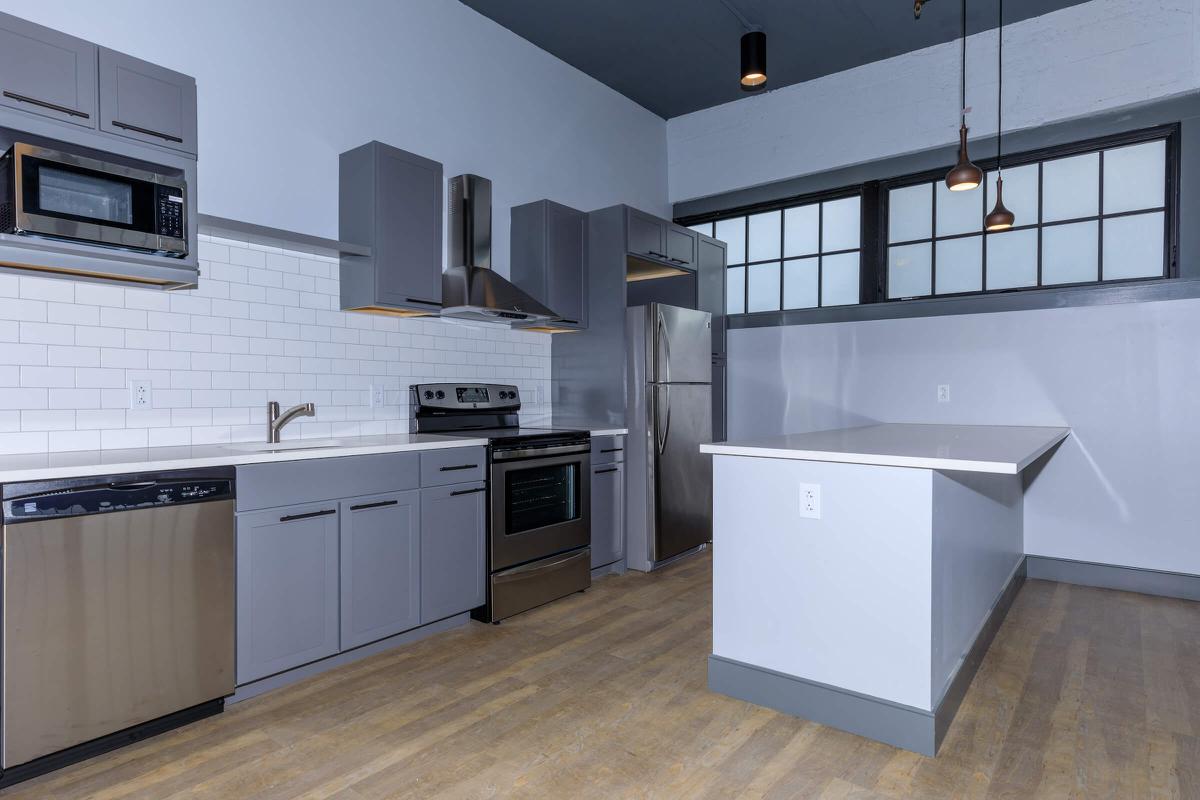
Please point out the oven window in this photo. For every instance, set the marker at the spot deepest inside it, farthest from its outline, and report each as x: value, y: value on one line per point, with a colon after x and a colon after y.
x: 539, y: 496
x: 83, y: 195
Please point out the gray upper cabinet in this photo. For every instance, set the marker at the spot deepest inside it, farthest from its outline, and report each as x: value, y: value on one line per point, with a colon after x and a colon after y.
x: 548, y: 261
x: 681, y: 246
x: 46, y: 72
x: 144, y: 101
x: 287, y: 588
x: 380, y: 566
x: 710, y: 286
x: 608, y: 513
x: 391, y: 201
x: 647, y: 234
x: 453, y: 554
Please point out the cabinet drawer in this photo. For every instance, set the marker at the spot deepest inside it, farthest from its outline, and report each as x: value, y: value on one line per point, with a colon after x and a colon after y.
x: 453, y: 465
x: 313, y: 480
x: 608, y: 449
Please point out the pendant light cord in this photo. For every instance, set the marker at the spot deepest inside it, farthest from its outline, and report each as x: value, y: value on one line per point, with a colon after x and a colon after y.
x: 1000, y: 86
x: 963, y: 89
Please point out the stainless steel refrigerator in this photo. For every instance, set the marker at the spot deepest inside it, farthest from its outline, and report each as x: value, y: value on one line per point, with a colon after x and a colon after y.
x: 669, y: 387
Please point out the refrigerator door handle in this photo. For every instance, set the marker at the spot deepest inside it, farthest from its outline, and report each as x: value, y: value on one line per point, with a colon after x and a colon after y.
x: 664, y: 354
x: 664, y: 427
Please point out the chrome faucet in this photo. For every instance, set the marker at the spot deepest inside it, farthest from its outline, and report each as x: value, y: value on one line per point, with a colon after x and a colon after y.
x: 276, y: 421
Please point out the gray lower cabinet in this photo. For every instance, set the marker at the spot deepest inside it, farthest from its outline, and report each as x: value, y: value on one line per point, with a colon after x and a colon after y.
x: 46, y: 72
x: 608, y: 513
x: 453, y: 554
x: 380, y: 566
x: 144, y: 101
x: 287, y: 586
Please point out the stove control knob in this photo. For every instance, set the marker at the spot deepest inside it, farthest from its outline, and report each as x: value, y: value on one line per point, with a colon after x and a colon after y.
x: 428, y: 394
x: 441, y: 395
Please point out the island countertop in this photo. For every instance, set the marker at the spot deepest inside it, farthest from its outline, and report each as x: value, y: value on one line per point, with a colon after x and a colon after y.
x: 1002, y: 449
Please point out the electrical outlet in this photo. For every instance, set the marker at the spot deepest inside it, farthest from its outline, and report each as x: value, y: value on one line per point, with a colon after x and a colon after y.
x: 943, y: 394
x: 378, y: 398
x: 539, y: 395
x: 810, y: 500
x: 139, y: 394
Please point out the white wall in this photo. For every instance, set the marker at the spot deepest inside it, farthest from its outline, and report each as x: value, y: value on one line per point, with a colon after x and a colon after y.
x: 1082, y: 60
x: 262, y: 326
x: 1125, y: 378
x: 286, y: 85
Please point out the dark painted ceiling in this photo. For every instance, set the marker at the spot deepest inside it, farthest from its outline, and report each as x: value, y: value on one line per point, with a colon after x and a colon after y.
x: 678, y: 56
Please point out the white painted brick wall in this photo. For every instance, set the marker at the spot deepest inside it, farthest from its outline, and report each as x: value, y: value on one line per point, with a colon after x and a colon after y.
x: 263, y: 325
x: 1085, y: 59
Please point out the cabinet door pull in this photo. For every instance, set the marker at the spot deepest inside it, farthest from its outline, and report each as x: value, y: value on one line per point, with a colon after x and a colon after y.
x: 612, y: 450
x: 20, y: 98
x: 656, y: 254
x: 678, y: 260
x: 468, y: 491
x: 380, y: 504
x: 293, y: 517
x: 147, y: 132
x: 602, y: 471
x: 458, y: 467
x: 423, y: 302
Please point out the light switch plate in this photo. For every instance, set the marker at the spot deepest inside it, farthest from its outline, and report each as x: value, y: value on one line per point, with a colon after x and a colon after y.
x: 810, y: 500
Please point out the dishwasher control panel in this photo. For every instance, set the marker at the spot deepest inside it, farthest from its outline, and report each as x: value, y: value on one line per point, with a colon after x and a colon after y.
x: 90, y: 497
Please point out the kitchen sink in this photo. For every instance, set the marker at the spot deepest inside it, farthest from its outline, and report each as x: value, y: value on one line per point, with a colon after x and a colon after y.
x: 297, y: 444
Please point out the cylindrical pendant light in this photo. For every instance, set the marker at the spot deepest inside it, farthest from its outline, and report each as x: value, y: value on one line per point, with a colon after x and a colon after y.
x: 964, y: 175
x: 1001, y: 218
x: 754, y: 61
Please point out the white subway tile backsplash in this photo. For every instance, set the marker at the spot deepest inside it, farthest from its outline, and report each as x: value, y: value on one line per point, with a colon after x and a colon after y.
x: 264, y: 325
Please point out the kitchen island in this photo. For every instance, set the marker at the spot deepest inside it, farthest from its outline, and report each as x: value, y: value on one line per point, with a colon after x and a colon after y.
x: 860, y: 574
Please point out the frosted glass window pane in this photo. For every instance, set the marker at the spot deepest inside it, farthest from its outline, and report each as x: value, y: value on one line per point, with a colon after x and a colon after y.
x: 1070, y: 187
x: 1133, y: 246
x: 960, y: 265
x: 1069, y: 253
x: 735, y: 290
x: 959, y: 212
x: 841, y: 225
x: 839, y: 279
x: 910, y: 213
x: 764, y: 236
x: 909, y: 269
x: 733, y: 233
x: 1135, y: 177
x: 1020, y: 193
x: 1011, y: 259
x: 800, y: 230
x: 800, y: 283
x: 706, y: 228
x: 764, y: 288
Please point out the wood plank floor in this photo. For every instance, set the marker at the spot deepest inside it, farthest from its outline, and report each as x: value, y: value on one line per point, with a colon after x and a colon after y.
x: 1086, y: 693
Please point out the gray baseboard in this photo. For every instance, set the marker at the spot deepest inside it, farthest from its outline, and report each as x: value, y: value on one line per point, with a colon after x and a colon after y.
x: 1181, y: 585
x: 873, y: 717
x: 255, y: 688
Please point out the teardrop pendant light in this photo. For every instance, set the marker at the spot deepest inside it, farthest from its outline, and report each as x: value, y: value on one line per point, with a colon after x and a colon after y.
x: 1001, y: 219
x: 754, y: 61
x: 964, y: 175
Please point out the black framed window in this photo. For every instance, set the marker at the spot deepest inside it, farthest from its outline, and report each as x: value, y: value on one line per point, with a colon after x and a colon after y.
x: 806, y: 254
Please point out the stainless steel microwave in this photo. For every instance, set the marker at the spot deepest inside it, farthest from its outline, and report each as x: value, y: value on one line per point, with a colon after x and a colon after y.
x: 63, y: 195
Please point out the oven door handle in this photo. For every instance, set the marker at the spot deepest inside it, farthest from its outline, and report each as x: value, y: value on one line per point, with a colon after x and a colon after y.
x: 525, y: 452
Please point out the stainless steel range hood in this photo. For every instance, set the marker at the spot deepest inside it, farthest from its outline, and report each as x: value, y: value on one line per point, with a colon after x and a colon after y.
x: 470, y: 289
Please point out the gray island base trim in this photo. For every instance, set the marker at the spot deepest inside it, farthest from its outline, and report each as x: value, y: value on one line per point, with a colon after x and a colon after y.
x: 1180, y: 585
x: 892, y: 723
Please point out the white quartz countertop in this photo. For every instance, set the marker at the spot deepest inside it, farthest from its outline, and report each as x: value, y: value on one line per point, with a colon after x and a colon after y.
x: 52, y: 466
x: 1004, y: 449
x: 610, y: 431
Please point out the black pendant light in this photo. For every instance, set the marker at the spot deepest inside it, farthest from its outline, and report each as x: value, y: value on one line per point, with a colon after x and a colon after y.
x: 964, y: 175
x: 1001, y: 219
x: 754, y: 61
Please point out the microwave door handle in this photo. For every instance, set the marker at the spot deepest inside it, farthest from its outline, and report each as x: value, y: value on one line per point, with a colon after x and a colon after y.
x: 146, y: 131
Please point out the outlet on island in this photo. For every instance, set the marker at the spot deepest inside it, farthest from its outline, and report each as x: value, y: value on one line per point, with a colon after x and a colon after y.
x: 810, y: 500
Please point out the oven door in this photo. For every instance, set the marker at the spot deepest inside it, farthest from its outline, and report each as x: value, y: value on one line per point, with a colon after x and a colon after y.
x: 67, y: 196
x: 539, y: 506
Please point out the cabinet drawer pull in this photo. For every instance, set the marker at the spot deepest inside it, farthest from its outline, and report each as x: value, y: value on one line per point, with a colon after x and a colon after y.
x: 458, y: 467
x: 468, y: 491
x: 147, y: 132
x: 602, y: 471
x: 380, y: 504
x: 309, y: 515
x: 20, y: 98
x: 613, y: 450
x: 423, y: 302
x: 569, y: 321
x: 656, y: 254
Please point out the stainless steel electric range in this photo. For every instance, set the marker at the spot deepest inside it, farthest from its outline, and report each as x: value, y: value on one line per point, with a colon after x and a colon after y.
x: 539, y: 529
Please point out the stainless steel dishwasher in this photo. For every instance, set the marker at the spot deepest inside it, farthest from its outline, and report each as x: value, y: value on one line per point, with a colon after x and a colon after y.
x: 118, y: 611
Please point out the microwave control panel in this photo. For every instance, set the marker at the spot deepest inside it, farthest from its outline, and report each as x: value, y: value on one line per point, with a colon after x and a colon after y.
x: 169, y: 211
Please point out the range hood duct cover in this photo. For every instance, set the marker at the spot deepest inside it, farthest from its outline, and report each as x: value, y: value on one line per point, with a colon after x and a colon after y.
x: 470, y: 289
